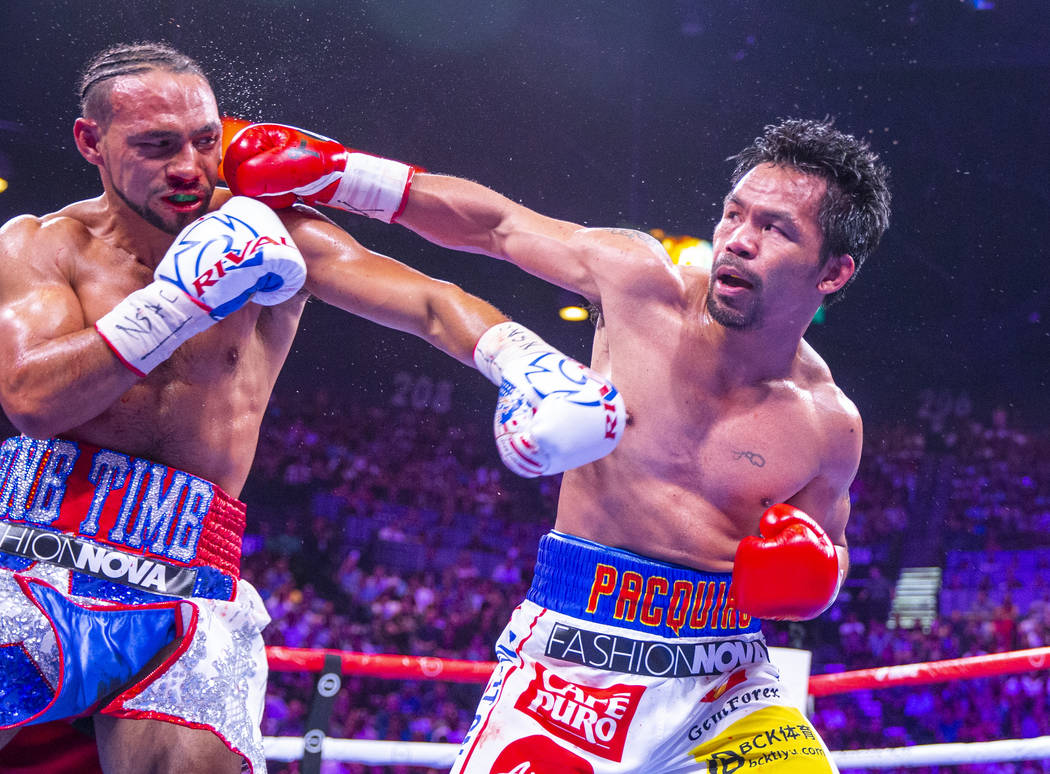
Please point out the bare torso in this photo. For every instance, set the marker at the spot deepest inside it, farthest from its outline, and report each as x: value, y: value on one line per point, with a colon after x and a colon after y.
x: 701, y: 459
x: 201, y: 409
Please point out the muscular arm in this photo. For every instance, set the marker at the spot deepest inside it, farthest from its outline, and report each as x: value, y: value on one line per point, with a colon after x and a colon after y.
x: 831, y: 516
x: 826, y: 498
x: 56, y: 372
x: 804, y: 540
x: 268, y: 161
x: 343, y: 273
x: 463, y: 215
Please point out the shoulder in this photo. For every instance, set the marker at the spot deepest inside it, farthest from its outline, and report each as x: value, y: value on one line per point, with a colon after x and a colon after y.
x: 58, y: 236
x: 837, y: 416
x: 73, y: 221
x: 632, y: 261
x: 41, y: 260
x: 18, y: 230
x: 635, y: 248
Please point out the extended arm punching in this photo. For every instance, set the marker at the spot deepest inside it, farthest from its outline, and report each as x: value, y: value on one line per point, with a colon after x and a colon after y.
x: 281, y: 164
x: 553, y: 413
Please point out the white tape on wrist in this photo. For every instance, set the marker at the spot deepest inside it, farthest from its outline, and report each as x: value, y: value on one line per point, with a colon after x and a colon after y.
x: 145, y: 328
x: 504, y: 342
x: 373, y: 186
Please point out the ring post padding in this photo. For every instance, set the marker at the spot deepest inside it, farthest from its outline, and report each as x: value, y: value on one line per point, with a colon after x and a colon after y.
x: 328, y: 684
x: 794, y: 666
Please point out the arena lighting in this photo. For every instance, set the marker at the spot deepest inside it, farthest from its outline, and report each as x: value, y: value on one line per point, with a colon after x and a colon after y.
x: 573, y: 313
x: 6, y: 171
x: 572, y: 307
x: 685, y: 250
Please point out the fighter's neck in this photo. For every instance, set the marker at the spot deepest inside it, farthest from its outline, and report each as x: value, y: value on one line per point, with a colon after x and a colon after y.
x: 126, y: 229
x: 747, y: 358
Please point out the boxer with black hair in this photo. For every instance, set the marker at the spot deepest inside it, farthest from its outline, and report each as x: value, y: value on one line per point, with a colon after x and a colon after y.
x: 639, y: 646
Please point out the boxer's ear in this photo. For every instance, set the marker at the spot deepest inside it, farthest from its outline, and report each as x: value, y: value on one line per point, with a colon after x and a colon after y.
x: 87, y: 135
x: 836, y: 273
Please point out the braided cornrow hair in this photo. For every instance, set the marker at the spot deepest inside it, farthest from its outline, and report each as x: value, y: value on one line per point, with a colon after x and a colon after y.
x: 126, y: 59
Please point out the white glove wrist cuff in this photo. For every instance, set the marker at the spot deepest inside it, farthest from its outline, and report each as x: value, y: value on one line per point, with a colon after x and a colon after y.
x: 842, y: 555
x: 146, y: 327
x: 502, y: 343
x: 373, y: 186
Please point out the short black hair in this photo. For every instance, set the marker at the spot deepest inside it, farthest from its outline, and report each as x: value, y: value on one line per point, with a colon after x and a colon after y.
x: 855, y: 211
x: 126, y: 59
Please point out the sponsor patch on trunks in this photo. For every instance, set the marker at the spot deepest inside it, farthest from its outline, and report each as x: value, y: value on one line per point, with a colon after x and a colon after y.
x: 96, y: 559
x: 771, y: 737
x: 652, y: 658
x: 592, y: 719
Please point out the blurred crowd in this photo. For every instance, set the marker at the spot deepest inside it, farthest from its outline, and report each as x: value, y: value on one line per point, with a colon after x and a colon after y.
x: 382, y: 529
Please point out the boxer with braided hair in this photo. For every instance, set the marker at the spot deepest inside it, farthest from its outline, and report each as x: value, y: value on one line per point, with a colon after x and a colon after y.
x: 141, y: 333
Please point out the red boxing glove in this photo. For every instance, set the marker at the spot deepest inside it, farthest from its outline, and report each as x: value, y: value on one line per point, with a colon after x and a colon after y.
x: 280, y: 164
x: 791, y: 573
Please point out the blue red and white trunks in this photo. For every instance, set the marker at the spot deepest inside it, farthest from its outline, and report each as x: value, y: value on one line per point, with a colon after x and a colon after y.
x: 619, y: 663
x: 120, y: 593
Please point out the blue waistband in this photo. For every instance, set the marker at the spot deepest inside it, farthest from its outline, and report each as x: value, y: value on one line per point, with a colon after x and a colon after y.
x: 610, y: 586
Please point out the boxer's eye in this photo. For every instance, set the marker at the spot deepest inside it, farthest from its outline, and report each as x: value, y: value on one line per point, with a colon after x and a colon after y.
x: 154, y: 148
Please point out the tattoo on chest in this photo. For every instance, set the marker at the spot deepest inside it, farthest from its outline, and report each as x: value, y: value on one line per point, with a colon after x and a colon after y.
x: 754, y: 458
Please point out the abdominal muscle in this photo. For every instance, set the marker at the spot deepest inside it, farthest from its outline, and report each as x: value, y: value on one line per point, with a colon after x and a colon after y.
x: 201, y: 410
x: 620, y: 507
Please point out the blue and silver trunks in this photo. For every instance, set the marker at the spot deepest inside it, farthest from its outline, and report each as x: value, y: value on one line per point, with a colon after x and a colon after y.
x: 120, y: 594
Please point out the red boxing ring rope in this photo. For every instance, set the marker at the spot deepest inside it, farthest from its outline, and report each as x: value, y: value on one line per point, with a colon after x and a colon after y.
x: 972, y: 667
x: 381, y: 665
x: 451, y: 670
x: 442, y: 755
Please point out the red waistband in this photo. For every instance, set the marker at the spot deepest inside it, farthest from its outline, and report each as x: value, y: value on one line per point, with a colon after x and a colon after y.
x: 133, y: 504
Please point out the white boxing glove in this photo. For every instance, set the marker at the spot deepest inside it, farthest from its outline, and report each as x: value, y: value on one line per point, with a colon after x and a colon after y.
x: 553, y: 413
x: 216, y: 264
